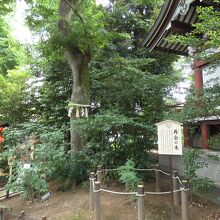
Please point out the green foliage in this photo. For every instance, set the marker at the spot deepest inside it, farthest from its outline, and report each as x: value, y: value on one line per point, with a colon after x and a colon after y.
x: 214, y: 142
x: 128, y: 86
x: 15, y: 96
x: 86, y: 28
x: 76, y: 170
x: 11, y: 52
x: 128, y: 176
x: 192, y: 162
x: 6, y: 6
x: 30, y: 173
x: 54, y: 93
x: 122, y: 74
x: 114, y: 138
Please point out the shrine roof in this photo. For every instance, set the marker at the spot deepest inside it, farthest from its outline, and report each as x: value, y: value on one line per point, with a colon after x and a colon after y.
x: 176, y: 17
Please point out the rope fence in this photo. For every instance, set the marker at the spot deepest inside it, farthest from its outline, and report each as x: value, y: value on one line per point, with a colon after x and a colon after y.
x: 179, y: 186
x: 7, y: 194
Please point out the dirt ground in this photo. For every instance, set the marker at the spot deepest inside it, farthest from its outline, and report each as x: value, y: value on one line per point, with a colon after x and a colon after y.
x: 74, y: 205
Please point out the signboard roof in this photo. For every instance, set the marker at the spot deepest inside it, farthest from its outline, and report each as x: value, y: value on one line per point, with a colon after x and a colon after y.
x: 168, y: 121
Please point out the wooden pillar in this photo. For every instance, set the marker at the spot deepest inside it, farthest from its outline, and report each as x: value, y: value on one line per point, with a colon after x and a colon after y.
x: 205, y: 132
x: 198, y: 77
x: 187, y: 136
x: 5, y: 213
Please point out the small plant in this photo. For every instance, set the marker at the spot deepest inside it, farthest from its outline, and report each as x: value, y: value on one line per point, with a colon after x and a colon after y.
x: 128, y: 176
x: 191, y: 163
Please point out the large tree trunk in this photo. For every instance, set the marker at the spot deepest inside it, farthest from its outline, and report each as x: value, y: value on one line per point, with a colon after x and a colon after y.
x: 79, y: 65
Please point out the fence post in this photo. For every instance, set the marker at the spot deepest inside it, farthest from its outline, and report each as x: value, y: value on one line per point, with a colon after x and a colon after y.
x: 7, y: 194
x: 1, y: 214
x: 140, y: 194
x: 185, y: 200
x: 4, y: 213
x: 99, y: 174
x: 91, y: 180
x: 44, y: 218
x: 22, y: 214
x: 157, y: 175
x: 97, y: 206
x: 175, y: 187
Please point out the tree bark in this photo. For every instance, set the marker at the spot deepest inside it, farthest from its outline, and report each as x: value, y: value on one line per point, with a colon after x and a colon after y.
x: 79, y: 63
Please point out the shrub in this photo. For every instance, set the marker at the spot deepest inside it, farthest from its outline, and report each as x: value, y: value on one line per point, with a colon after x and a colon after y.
x: 191, y: 163
x: 36, y: 156
x: 214, y: 142
x: 128, y: 176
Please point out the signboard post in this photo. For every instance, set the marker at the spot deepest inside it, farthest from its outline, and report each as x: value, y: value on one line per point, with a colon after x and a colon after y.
x: 170, y: 143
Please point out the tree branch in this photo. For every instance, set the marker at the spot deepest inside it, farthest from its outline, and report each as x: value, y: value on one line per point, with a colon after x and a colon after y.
x: 83, y: 23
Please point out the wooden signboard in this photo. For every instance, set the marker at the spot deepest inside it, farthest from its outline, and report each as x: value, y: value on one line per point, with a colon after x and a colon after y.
x: 169, y: 137
x: 170, y: 143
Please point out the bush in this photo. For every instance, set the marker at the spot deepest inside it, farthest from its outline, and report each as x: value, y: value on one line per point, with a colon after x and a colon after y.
x: 214, y: 142
x: 37, y: 153
x: 114, y: 137
x: 191, y: 163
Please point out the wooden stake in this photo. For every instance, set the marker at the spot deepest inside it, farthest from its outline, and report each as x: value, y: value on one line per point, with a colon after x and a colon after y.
x: 175, y: 187
x: 141, y: 215
x: 22, y: 214
x: 97, y: 206
x: 157, y: 176
x: 92, y: 178
x: 99, y: 174
x: 185, y: 201
x: 171, y: 188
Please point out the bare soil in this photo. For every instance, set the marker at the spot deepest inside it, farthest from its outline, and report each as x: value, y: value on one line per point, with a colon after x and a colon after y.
x: 74, y: 205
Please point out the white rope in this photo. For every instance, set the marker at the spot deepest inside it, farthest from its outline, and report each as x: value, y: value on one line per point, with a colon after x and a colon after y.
x: 107, y: 170
x: 135, y: 193
x: 140, y: 195
x: 145, y: 169
x: 119, y: 193
x: 80, y: 105
x: 162, y: 193
x: 164, y: 172
x: 96, y: 190
x: 179, y: 180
